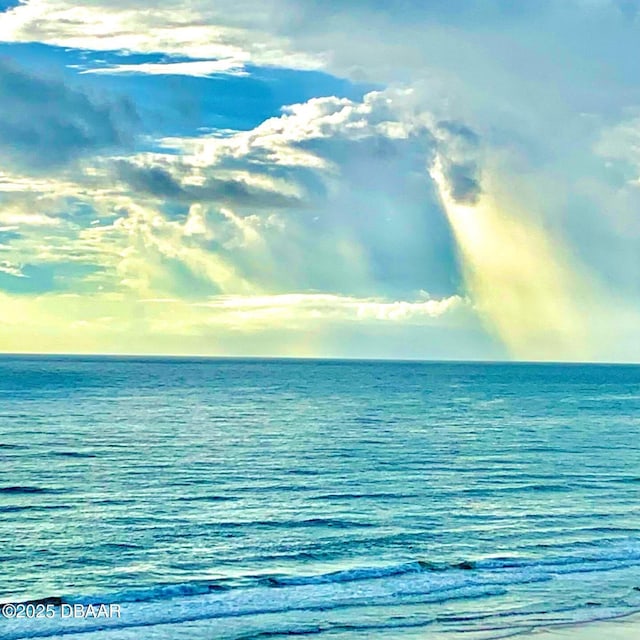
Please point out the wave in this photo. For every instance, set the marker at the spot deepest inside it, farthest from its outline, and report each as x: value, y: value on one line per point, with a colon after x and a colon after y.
x: 374, y: 495
x: 350, y: 575
x: 418, y: 581
x: 27, y: 490
x: 232, y: 605
x: 72, y: 454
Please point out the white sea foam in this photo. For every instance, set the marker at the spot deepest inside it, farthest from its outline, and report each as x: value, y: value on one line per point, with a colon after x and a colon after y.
x: 393, y: 585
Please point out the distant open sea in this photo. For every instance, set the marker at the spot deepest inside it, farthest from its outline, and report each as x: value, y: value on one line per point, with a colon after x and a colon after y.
x: 263, y: 499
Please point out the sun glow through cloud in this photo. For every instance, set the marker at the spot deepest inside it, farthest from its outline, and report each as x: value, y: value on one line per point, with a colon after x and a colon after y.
x: 521, y: 283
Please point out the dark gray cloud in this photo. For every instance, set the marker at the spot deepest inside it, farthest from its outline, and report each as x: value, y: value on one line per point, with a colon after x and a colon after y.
x: 459, y: 147
x: 154, y: 181
x: 44, y: 123
x: 464, y: 181
x: 157, y: 182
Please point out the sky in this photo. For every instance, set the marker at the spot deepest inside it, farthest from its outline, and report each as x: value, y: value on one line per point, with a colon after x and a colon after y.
x: 432, y: 179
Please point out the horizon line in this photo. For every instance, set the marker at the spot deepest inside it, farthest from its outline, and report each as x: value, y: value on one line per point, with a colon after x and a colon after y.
x: 205, y: 357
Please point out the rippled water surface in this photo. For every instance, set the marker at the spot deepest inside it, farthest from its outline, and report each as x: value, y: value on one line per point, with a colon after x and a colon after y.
x: 253, y: 499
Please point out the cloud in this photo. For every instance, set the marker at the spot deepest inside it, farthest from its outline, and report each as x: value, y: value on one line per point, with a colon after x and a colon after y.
x: 292, y: 324
x: 196, y: 68
x: 333, y: 195
x: 232, y: 31
x: 464, y: 182
x: 158, y: 182
x: 46, y: 124
x: 298, y: 308
x: 11, y: 269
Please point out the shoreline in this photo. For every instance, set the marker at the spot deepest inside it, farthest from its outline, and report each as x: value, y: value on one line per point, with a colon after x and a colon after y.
x: 624, y: 627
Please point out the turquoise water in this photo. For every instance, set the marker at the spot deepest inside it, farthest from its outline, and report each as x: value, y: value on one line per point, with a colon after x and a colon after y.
x: 262, y: 499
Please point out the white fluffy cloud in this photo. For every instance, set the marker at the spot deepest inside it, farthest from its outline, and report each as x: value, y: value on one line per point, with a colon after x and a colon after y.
x: 237, y: 32
x: 332, y: 196
x: 196, y: 68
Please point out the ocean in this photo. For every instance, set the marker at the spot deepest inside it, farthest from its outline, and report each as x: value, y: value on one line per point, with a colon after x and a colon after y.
x: 225, y: 498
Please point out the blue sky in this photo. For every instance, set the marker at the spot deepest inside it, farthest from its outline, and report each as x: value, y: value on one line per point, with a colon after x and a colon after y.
x: 433, y: 179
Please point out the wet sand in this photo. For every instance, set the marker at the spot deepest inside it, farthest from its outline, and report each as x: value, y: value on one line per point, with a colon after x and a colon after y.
x: 626, y: 628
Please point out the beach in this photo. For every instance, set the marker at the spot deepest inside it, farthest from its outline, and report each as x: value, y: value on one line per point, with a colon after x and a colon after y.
x: 625, y: 628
